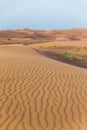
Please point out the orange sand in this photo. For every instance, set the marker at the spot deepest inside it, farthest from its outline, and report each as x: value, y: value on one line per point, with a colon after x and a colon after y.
x: 39, y: 93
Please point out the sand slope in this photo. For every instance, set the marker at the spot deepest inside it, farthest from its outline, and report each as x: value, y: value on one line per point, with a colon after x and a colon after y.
x: 39, y: 93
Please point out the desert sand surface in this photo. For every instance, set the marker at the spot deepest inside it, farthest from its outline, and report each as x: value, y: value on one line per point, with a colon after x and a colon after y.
x: 39, y: 93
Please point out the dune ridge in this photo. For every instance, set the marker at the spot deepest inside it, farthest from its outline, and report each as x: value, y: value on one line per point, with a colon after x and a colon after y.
x: 28, y: 36
x: 39, y: 93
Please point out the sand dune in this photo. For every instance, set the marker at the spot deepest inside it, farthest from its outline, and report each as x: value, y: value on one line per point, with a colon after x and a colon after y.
x: 28, y: 36
x: 39, y: 93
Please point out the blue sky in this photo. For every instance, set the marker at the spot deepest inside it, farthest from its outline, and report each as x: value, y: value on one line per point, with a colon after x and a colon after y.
x: 43, y: 14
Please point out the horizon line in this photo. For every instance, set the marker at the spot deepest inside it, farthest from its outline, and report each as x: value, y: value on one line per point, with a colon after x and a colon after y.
x: 26, y: 28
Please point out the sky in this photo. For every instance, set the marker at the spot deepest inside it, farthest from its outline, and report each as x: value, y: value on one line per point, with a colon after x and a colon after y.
x: 43, y: 14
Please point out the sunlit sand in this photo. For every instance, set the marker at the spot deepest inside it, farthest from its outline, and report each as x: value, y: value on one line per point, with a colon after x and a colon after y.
x: 39, y: 93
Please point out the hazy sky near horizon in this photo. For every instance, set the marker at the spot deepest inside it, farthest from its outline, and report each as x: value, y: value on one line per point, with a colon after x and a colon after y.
x: 43, y: 14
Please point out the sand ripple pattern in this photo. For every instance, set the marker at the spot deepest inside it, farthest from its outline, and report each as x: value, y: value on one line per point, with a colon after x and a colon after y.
x: 38, y: 93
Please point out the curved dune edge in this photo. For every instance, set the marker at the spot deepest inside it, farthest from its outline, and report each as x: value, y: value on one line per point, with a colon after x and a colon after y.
x: 39, y: 93
x: 59, y: 57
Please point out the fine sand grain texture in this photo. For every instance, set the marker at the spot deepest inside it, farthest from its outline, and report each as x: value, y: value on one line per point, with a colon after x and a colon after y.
x: 39, y: 93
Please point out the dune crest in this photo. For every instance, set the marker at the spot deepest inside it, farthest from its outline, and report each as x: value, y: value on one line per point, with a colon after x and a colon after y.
x: 39, y: 93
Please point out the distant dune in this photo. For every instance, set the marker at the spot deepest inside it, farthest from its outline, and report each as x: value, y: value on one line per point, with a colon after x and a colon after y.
x: 38, y: 36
